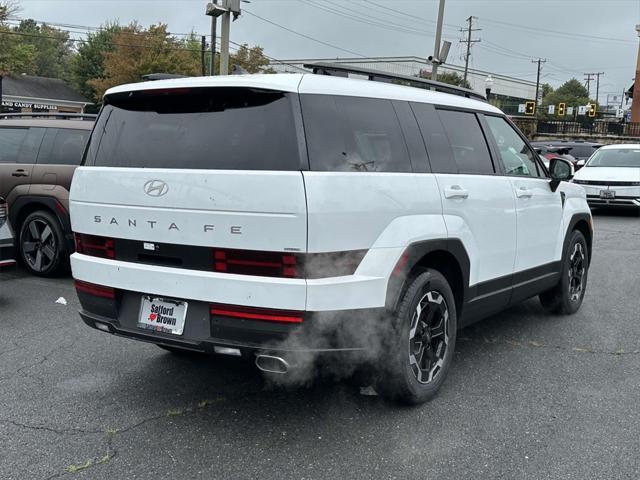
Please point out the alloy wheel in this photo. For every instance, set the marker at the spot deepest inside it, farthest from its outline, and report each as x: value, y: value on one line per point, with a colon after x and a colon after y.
x: 39, y: 245
x: 577, y: 269
x: 429, y: 336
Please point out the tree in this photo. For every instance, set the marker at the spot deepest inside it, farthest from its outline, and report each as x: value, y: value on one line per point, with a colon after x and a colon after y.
x: 452, y: 78
x: 88, y: 62
x: 572, y: 93
x: 51, y: 45
x: 251, y: 59
x: 137, y: 52
x: 7, y: 9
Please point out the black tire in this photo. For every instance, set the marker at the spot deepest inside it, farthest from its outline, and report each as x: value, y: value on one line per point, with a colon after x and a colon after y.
x: 566, y: 297
x: 403, y: 379
x: 42, y: 245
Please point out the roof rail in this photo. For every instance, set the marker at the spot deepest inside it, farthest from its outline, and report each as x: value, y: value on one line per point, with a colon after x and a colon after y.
x: 342, y: 70
x: 52, y: 116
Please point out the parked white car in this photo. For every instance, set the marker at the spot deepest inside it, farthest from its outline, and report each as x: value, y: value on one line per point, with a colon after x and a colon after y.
x: 611, y: 177
x: 289, y: 216
x: 7, y: 251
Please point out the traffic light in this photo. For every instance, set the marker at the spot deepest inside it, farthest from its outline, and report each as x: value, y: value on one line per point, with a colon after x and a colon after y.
x: 530, y: 108
x: 561, y: 109
x: 592, y: 110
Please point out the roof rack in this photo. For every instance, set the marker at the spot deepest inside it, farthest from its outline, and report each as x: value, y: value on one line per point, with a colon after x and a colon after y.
x: 53, y: 116
x: 341, y: 70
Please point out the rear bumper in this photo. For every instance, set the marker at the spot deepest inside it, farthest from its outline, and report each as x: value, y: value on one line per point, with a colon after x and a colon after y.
x: 357, y: 331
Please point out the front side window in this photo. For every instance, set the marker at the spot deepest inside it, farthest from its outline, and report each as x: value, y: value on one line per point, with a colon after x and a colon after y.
x: 516, y: 157
x: 353, y: 134
x: 469, y: 147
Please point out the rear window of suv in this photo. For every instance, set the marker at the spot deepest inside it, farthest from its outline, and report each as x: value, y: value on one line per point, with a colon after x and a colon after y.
x: 199, y: 128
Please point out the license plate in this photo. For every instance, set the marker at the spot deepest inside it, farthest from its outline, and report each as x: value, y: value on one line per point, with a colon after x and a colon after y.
x: 162, y: 315
x: 607, y: 194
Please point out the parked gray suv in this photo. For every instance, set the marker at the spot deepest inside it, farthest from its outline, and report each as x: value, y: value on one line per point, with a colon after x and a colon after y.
x: 38, y: 155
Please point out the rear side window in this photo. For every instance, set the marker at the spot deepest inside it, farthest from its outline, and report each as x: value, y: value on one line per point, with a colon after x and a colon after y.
x: 199, y: 128
x: 353, y: 134
x: 469, y: 147
x: 11, y: 140
x: 63, y: 146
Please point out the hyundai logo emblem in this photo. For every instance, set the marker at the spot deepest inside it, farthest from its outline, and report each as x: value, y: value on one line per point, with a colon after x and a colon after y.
x: 156, y: 188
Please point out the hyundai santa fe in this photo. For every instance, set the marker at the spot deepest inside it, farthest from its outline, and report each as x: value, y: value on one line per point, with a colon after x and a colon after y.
x: 291, y: 216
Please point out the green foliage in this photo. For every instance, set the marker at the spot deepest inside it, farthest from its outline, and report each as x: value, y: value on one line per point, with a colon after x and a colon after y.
x: 33, y: 49
x: 88, y: 62
x: 452, y: 78
x: 572, y: 93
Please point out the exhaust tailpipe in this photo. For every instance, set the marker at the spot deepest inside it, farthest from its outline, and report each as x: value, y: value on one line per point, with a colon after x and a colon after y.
x: 272, y: 364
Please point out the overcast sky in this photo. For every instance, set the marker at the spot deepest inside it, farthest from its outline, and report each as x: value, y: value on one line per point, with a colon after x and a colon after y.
x: 575, y: 36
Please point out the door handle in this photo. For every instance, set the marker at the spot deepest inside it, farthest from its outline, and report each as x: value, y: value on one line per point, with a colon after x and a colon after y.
x: 523, y: 192
x: 455, y: 191
x: 20, y: 173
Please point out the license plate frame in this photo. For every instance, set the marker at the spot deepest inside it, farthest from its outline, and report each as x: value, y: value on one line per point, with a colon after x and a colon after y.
x: 162, y: 315
x: 608, y: 194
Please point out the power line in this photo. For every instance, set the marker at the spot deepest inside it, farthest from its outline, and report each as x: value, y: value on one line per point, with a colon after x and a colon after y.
x: 556, y: 33
x: 302, y: 34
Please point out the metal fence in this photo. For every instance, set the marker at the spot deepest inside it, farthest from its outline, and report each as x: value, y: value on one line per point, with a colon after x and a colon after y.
x: 592, y: 128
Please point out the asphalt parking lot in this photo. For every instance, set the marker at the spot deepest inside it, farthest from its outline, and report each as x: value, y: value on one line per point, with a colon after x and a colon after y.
x: 530, y: 396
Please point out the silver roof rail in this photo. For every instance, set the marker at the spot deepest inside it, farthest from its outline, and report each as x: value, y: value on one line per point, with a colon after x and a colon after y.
x: 342, y: 70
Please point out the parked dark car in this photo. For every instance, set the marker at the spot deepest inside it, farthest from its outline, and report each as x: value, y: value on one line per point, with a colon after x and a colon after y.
x: 38, y: 156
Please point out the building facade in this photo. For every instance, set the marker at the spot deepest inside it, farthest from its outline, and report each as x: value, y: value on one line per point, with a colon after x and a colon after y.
x: 26, y: 93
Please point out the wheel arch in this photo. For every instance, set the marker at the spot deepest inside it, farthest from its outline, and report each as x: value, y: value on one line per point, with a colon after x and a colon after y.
x: 447, y: 256
x: 25, y: 205
x: 583, y: 223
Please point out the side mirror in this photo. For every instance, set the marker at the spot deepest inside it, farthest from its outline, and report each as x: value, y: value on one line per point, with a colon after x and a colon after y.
x: 561, y: 170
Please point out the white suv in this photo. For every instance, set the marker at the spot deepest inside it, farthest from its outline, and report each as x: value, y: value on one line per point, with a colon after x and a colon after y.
x: 288, y: 216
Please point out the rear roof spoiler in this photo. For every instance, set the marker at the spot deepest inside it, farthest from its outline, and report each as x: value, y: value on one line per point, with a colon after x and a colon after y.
x: 342, y: 70
x: 152, y: 77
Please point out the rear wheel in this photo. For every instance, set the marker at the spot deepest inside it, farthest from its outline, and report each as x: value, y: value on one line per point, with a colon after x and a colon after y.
x: 566, y: 297
x: 423, y: 342
x: 42, y: 245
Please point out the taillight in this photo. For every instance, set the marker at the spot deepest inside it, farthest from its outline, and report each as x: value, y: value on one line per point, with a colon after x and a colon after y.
x: 95, y: 290
x: 95, y: 246
x: 4, y: 212
x: 254, y: 313
x: 249, y: 262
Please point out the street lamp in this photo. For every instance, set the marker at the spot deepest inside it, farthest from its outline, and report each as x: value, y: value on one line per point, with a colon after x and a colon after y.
x: 488, y: 85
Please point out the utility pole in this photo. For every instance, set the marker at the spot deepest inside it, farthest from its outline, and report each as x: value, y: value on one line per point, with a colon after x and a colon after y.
x: 598, y: 86
x: 469, y: 42
x: 539, y: 61
x: 588, y: 78
x: 214, y: 12
x: 436, y: 49
x: 224, y: 43
x: 203, y: 48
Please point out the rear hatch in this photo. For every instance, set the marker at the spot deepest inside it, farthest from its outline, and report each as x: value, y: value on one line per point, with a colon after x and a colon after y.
x: 191, y: 169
